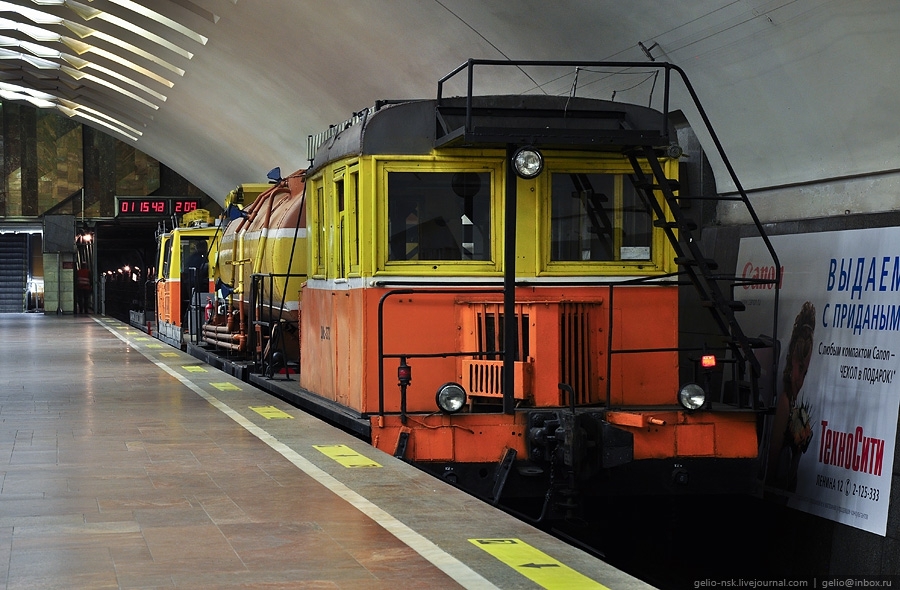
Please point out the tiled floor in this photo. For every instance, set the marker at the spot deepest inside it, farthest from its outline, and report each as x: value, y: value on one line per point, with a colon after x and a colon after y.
x: 115, y: 475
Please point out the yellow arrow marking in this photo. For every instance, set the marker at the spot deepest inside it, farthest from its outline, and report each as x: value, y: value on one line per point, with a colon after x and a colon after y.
x: 194, y: 369
x: 270, y: 412
x: 346, y: 456
x: 225, y: 386
x: 535, y: 565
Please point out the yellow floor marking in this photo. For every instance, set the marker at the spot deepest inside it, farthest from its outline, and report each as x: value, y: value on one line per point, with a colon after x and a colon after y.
x: 270, y: 412
x: 154, y: 346
x: 346, y: 456
x: 535, y: 565
x: 141, y: 339
x: 169, y: 354
x: 194, y: 369
x: 226, y: 386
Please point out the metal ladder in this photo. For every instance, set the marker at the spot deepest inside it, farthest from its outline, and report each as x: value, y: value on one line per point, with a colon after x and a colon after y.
x: 700, y: 271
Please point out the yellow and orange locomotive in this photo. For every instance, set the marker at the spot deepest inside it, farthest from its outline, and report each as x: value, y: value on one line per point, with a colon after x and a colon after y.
x: 489, y: 288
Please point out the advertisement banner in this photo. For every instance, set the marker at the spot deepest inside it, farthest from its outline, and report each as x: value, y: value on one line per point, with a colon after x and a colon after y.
x: 828, y: 447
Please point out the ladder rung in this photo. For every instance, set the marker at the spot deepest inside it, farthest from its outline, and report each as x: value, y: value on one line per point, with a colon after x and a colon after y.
x: 601, y: 197
x: 685, y: 261
x: 673, y: 185
x: 741, y: 280
x: 686, y: 224
x: 752, y: 342
x: 734, y: 305
x: 703, y: 198
x: 746, y: 281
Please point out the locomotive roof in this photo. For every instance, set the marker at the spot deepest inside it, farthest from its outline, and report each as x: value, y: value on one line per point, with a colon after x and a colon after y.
x: 416, y: 127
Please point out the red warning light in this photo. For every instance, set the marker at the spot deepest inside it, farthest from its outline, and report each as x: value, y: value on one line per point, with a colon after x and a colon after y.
x: 404, y: 373
x: 708, y: 361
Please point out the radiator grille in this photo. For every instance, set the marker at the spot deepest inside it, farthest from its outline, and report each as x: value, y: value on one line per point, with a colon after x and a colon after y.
x: 484, y: 375
x: 489, y: 327
x: 485, y: 378
x: 575, y: 350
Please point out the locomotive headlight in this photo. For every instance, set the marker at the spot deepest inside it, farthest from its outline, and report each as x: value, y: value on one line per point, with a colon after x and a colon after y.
x: 451, y: 397
x: 528, y: 162
x: 692, y: 396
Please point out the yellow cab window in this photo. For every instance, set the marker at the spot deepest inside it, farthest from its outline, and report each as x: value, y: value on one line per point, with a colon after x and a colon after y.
x: 167, y: 257
x: 596, y: 221
x: 434, y: 215
x: 597, y: 217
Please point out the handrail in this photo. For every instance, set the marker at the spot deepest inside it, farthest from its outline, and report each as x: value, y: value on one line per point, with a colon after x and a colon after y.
x: 382, y: 355
x: 470, y: 64
x: 654, y: 281
x: 256, y: 298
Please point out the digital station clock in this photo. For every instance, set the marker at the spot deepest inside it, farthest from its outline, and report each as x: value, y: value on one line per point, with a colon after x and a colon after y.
x: 155, y: 206
x: 182, y: 206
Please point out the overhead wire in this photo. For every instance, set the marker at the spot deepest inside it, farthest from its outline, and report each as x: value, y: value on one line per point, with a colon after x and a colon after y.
x: 542, y: 86
x: 537, y: 85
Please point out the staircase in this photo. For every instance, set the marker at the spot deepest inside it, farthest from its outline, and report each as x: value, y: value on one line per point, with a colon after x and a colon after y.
x: 13, y: 272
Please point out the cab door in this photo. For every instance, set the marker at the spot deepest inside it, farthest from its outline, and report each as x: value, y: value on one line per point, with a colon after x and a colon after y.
x: 163, y: 284
x: 346, y: 258
x: 346, y: 189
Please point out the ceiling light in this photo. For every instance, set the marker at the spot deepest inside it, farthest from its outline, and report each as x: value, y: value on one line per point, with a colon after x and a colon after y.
x: 163, y: 20
x: 87, y: 13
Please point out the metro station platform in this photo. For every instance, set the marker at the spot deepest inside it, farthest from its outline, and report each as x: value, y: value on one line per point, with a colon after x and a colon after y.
x: 125, y: 463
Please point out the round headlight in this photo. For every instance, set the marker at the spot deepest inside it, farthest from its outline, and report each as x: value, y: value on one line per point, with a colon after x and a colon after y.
x: 692, y: 396
x: 528, y: 162
x: 451, y: 397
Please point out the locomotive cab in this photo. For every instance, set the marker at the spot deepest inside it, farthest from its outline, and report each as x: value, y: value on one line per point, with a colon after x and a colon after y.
x: 184, y: 277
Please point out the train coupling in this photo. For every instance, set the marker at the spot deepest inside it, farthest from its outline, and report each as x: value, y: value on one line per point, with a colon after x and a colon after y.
x: 581, y: 441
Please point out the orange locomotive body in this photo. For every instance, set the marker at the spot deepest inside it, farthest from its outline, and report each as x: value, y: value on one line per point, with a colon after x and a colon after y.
x: 491, y: 291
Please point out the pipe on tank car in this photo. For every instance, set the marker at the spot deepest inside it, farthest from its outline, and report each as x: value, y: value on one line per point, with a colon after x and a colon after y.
x: 240, y: 275
x: 219, y: 344
x: 251, y: 212
x: 209, y: 329
x: 219, y: 336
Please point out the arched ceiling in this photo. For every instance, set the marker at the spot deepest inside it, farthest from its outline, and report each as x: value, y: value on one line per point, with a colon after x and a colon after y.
x: 799, y: 91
